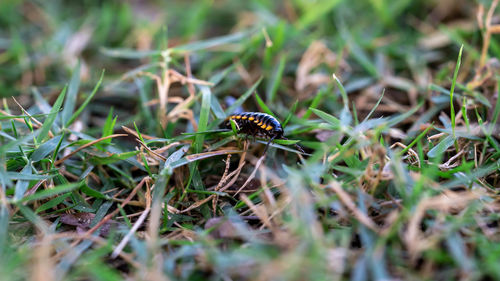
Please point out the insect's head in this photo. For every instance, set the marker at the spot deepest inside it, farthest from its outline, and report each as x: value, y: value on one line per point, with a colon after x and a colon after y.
x: 278, y: 132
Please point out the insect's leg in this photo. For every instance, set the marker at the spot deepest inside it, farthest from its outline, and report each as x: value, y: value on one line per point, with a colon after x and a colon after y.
x: 268, y: 143
x: 254, y: 135
x: 296, y: 146
x: 299, y: 148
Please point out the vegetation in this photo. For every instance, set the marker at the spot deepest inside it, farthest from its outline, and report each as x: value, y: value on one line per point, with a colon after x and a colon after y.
x: 114, y: 164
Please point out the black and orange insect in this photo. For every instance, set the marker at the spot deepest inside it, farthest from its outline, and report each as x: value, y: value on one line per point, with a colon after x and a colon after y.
x: 258, y: 124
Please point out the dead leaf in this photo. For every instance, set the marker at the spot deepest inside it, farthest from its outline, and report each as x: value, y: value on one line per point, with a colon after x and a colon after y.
x: 82, y: 222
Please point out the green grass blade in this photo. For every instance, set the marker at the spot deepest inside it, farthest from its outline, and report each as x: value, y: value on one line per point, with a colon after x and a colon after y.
x: 5, y: 147
x: 85, y: 103
x: 4, y: 228
x: 343, y: 93
x: 72, y: 95
x: 45, y: 149
x: 109, y: 126
x: 399, y: 118
x: 452, y: 89
x: 22, y: 185
x: 203, y: 121
x: 316, y: 11
x: 274, y: 82
x: 291, y: 113
x: 50, y: 192
x: 52, y: 203
x: 47, y: 124
x: 315, y: 102
x: 217, y: 108
x: 263, y: 106
x: 243, y: 98
x: 441, y: 147
x: 327, y: 117
x: 496, y: 111
x: 210, y: 43
x: 128, y: 53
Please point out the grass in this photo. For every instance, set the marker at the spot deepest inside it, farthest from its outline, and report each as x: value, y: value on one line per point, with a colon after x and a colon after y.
x: 113, y: 165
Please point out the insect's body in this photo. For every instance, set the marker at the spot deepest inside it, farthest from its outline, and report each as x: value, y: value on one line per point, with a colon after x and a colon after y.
x: 256, y: 124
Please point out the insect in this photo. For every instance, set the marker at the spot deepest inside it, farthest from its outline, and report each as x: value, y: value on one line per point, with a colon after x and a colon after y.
x: 258, y: 124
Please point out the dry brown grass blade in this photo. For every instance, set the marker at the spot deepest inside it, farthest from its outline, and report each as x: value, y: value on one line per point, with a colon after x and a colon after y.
x: 163, y: 89
x: 204, y: 155
x: 244, y: 74
x: 447, y: 202
x: 223, y: 180
x: 410, y: 152
x: 189, y: 75
x: 449, y: 164
x: 43, y: 267
x: 85, y: 146
x: 371, y: 178
x: 316, y: 54
x: 269, y: 42
x: 96, y: 239
x: 252, y: 175
x: 107, y: 217
x: 487, y: 32
x: 136, y: 225
x: 153, y: 228
x: 348, y: 202
x: 236, y: 173
x: 177, y: 77
x: 134, y: 133
x: 37, y: 124
x: 266, y: 195
x: 495, y: 29
x: 259, y: 211
x: 198, y: 204
x: 122, y: 205
x: 157, y: 155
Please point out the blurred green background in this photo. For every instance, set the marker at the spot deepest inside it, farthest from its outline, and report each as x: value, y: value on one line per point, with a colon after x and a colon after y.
x: 41, y: 41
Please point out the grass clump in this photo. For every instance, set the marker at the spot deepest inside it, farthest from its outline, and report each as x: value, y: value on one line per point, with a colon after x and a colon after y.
x: 113, y: 163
